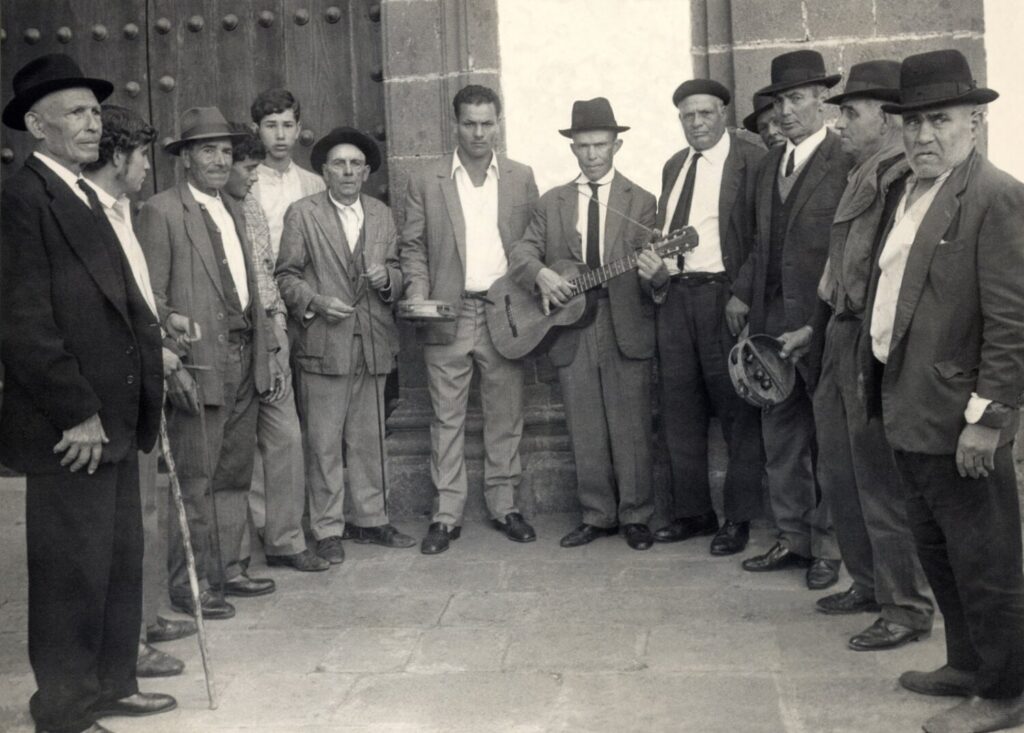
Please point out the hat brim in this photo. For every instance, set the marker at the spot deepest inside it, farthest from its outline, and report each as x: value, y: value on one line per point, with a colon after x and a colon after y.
x: 318, y: 156
x: 750, y: 121
x: 975, y: 96
x: 14, y: 112
x: 880, y: 94
x: 573, y: 130
x: 175, y: 146
x: 826, y: 81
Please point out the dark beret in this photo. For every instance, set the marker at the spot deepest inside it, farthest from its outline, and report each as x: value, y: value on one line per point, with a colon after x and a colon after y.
x: 700, y: 86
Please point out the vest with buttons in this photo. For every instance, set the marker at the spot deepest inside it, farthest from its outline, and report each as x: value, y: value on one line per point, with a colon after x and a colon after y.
x: 239, y: 320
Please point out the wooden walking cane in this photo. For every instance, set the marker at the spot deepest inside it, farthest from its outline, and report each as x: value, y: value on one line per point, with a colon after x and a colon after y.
x: 190, y: 559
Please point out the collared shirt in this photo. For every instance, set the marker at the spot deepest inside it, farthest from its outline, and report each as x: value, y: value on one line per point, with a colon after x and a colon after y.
x: 603, y: 192
x: 65, y: 174
x: 485, y: 254
x: 351, y: 216
x: 277, y: 190
x: 263, y: 256
x: 803, y: 151
x: 229, y: 238
x: 707, y: 186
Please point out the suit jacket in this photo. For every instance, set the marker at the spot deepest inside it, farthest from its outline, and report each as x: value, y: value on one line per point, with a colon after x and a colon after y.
x: 735, y: 199
x: 433, y: 244
x: 78, y: 337
x: 186, y: 280
x: 552, y: 237
x: 959, y: 325
x: 315, y: 259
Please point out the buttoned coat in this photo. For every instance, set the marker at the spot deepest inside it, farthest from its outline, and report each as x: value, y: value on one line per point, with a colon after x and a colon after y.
x: 433, y: 242
x: 316, y: 259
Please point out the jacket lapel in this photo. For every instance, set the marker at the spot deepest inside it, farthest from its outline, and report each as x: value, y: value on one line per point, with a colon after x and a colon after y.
x: 238, y: 217
x: 199, y: 236
x: 504, y: 203
x: 732, y: 175
x: 450, y: 194
x: 671, y: 176
x: 619, y: 199
x: 326, y: 217
x: 765, y: 192
x: 817, y: 168
x: 568, y: 209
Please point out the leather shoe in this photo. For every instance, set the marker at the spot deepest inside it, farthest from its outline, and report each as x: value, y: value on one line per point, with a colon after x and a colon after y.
x: 438, y: 536
x: 978, y: 715
x: 213, y: 604
x: 94, y: 728
x: 141, y: 703
x: 885, y: 635
x: 330, y: 549
x: 585, y: 534
x: 638, y: 536
x: 850, y: 600
x: 683, y: 528
x: 731, y: 538
x: 823, y: 573
x: 167, y: 630
x: 385, y: 535
x: 515, y: 528
x: 154, y: 663
x: 777, y: 558
x: 306, y: 561
x: 243, y: 586
x: 945, y: 681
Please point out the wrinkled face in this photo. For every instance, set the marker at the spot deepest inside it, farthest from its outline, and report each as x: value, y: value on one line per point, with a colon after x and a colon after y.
x: 799, y: 112
x: 595, y: 150
x: 937, y: 140
x: 69, y: 124
x: 768, y: 128
x: 344, y: 172
x: 208, y: 163
x: 278, y: 133
x: 131, y: 170
x: 861, y: 126
x: 477, y: 130
x: 703, y: 120
x: 242, y: 177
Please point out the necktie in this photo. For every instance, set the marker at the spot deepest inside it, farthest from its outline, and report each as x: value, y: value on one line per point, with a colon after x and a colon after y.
x: 94, y: 200
x: 681, y: 216
x: 593, y: 230
x: 789, y: 163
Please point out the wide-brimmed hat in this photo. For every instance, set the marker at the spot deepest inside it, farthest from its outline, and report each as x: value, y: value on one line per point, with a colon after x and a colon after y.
x: 936, y: 79
x: 700, y: 86
x: 340, y: 136
x: 799, y: 69
x: 870, y: 80
x: 761, y: 103
x: 592, y: 114
x: 45, y: 75
x: 202, y: 123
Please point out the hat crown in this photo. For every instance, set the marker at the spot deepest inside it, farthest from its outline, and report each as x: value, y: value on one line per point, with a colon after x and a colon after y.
x: 798, y: 66
x: 947, y: 66
x: 50, y: 67
x: 593, y: 114
x: 203, y: 122
x: 882, y: 74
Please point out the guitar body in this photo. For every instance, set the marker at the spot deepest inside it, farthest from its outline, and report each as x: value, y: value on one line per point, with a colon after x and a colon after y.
x: 516, y: 321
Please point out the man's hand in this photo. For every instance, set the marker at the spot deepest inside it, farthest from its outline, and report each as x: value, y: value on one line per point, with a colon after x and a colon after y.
x: 377, y: 276
x: 83, y: 445
x: 177, y: 328
x: 182, y: 392
x: 976, y: 450
x: 652, y: 268
x: 331, y: 308
x: 795, y: 343
x: 171, y: 362
x: 555, y: 290
x: 736, y: 312
x: 279, y: 378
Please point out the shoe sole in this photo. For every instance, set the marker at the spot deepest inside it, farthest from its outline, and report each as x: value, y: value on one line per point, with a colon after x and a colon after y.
x: 886, y: 647
x: 247, y: 594
x: 705, y: 533
x: 125, y: 714
x: 293, y: 566
x: 157, y: 639
x: 362, y: 541
x: 940, y: 691
x: 847, y: 612
x: 206, y: 616
x: 147, y: 675
x: 433, y: 551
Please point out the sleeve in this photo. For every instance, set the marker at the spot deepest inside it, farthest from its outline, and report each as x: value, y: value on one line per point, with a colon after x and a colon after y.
x: 291, y: 267
x: 526, y: 257
x: 412, y: 249
x: 648, y: 215
x: 154, y: 236
x: 395, y: 284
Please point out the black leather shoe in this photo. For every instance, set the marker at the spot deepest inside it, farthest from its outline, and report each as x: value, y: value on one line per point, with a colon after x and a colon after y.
x: 214, y: 606
x: 848, y: 601
x: 245, y: 587
x: 438, y: 536
x: 777, y: 558
x: 330, y: 549
x: 585, y: 534
x: 731, y: 538
x: 306, y: 561
x: 141, y: 703
x: 885, y: 635
x: 823, y: 573
x: 385, y: 535
x: 167, y: 630
x: 638, y: 536
x: 515, y: 528
x: 683, y: 528
x: 154, y: 663
x: 942, y: 682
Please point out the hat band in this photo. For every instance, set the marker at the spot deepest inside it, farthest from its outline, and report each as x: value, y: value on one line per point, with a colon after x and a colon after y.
x: 942, y: 90
x: 793, y: 75
x: 206, y: 129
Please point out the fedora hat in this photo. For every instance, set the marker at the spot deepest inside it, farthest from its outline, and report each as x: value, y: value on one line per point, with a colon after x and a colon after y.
x: 799, y: 69
x: 761, y: 103
x: 202, y: 123
x: 936, y: 79
x: 45, y: 75
x: 340, y: 136
x: 870, y: 80
x: 592, y: 114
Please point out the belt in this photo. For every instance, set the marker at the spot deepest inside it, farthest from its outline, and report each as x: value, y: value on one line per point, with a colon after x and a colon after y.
x: 699, y: 278
x: 480, y: 295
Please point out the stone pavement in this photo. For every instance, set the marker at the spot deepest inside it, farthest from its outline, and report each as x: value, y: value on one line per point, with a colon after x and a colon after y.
x: 494, y: 636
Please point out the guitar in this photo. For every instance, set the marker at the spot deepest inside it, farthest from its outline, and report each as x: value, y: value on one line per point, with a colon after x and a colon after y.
x: 516, y: 320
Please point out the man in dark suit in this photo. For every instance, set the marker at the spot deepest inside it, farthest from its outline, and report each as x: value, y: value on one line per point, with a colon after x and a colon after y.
x: 83, y: 393
x: 710, y: 186
x: 798, y: 189
x: 604, y: 368
x: 943, y: 359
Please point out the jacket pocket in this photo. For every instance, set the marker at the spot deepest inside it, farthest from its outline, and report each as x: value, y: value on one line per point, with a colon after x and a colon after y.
x: 955, y: 370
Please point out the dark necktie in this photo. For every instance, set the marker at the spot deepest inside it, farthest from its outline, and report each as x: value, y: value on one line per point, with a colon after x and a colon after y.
x: 790, y: 163
x: 593, y: 230
x: 681, y: 216
x: 94, y: 200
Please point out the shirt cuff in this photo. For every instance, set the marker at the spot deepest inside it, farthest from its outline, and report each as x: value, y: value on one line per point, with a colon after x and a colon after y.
x: 976, y: 408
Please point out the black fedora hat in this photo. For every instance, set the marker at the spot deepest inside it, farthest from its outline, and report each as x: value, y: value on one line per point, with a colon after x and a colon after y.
x: 870, y: 80
x: 592, y: 114
x: 761, y: 103
x: 936, y: 79
x: 202, y: 123
x: 340, y: 136
x: 799, y: 69
x: 45, y: 75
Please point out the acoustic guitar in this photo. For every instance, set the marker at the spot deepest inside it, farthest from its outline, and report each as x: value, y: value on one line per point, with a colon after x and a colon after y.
x: 514, y: 315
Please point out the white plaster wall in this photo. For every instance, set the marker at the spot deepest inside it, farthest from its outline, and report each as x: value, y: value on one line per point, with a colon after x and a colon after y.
x: 1004, y: 42
x: 634, y: 52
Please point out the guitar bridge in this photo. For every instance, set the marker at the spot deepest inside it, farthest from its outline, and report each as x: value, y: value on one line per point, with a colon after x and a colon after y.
x: 511, y: 318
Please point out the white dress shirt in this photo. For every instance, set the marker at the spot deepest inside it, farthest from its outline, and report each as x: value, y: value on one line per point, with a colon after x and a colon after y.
x: 485, y: 254
x: 276, y: 191
x: 707, y: 186
x: 229, y: 238
x: 803, y: 151
x: 351, y: 217
x: 65, y: 174
x: 603, y: 192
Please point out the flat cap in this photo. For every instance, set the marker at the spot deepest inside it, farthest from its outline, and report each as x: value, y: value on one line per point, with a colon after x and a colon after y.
x: 700, y: 86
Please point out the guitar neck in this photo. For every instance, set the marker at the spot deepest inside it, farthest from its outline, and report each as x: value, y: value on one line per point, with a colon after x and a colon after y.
x: 594, y: 278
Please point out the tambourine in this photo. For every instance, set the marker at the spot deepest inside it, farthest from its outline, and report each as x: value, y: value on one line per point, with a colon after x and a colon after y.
x: 425, y: 310
x: 759, y: 375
